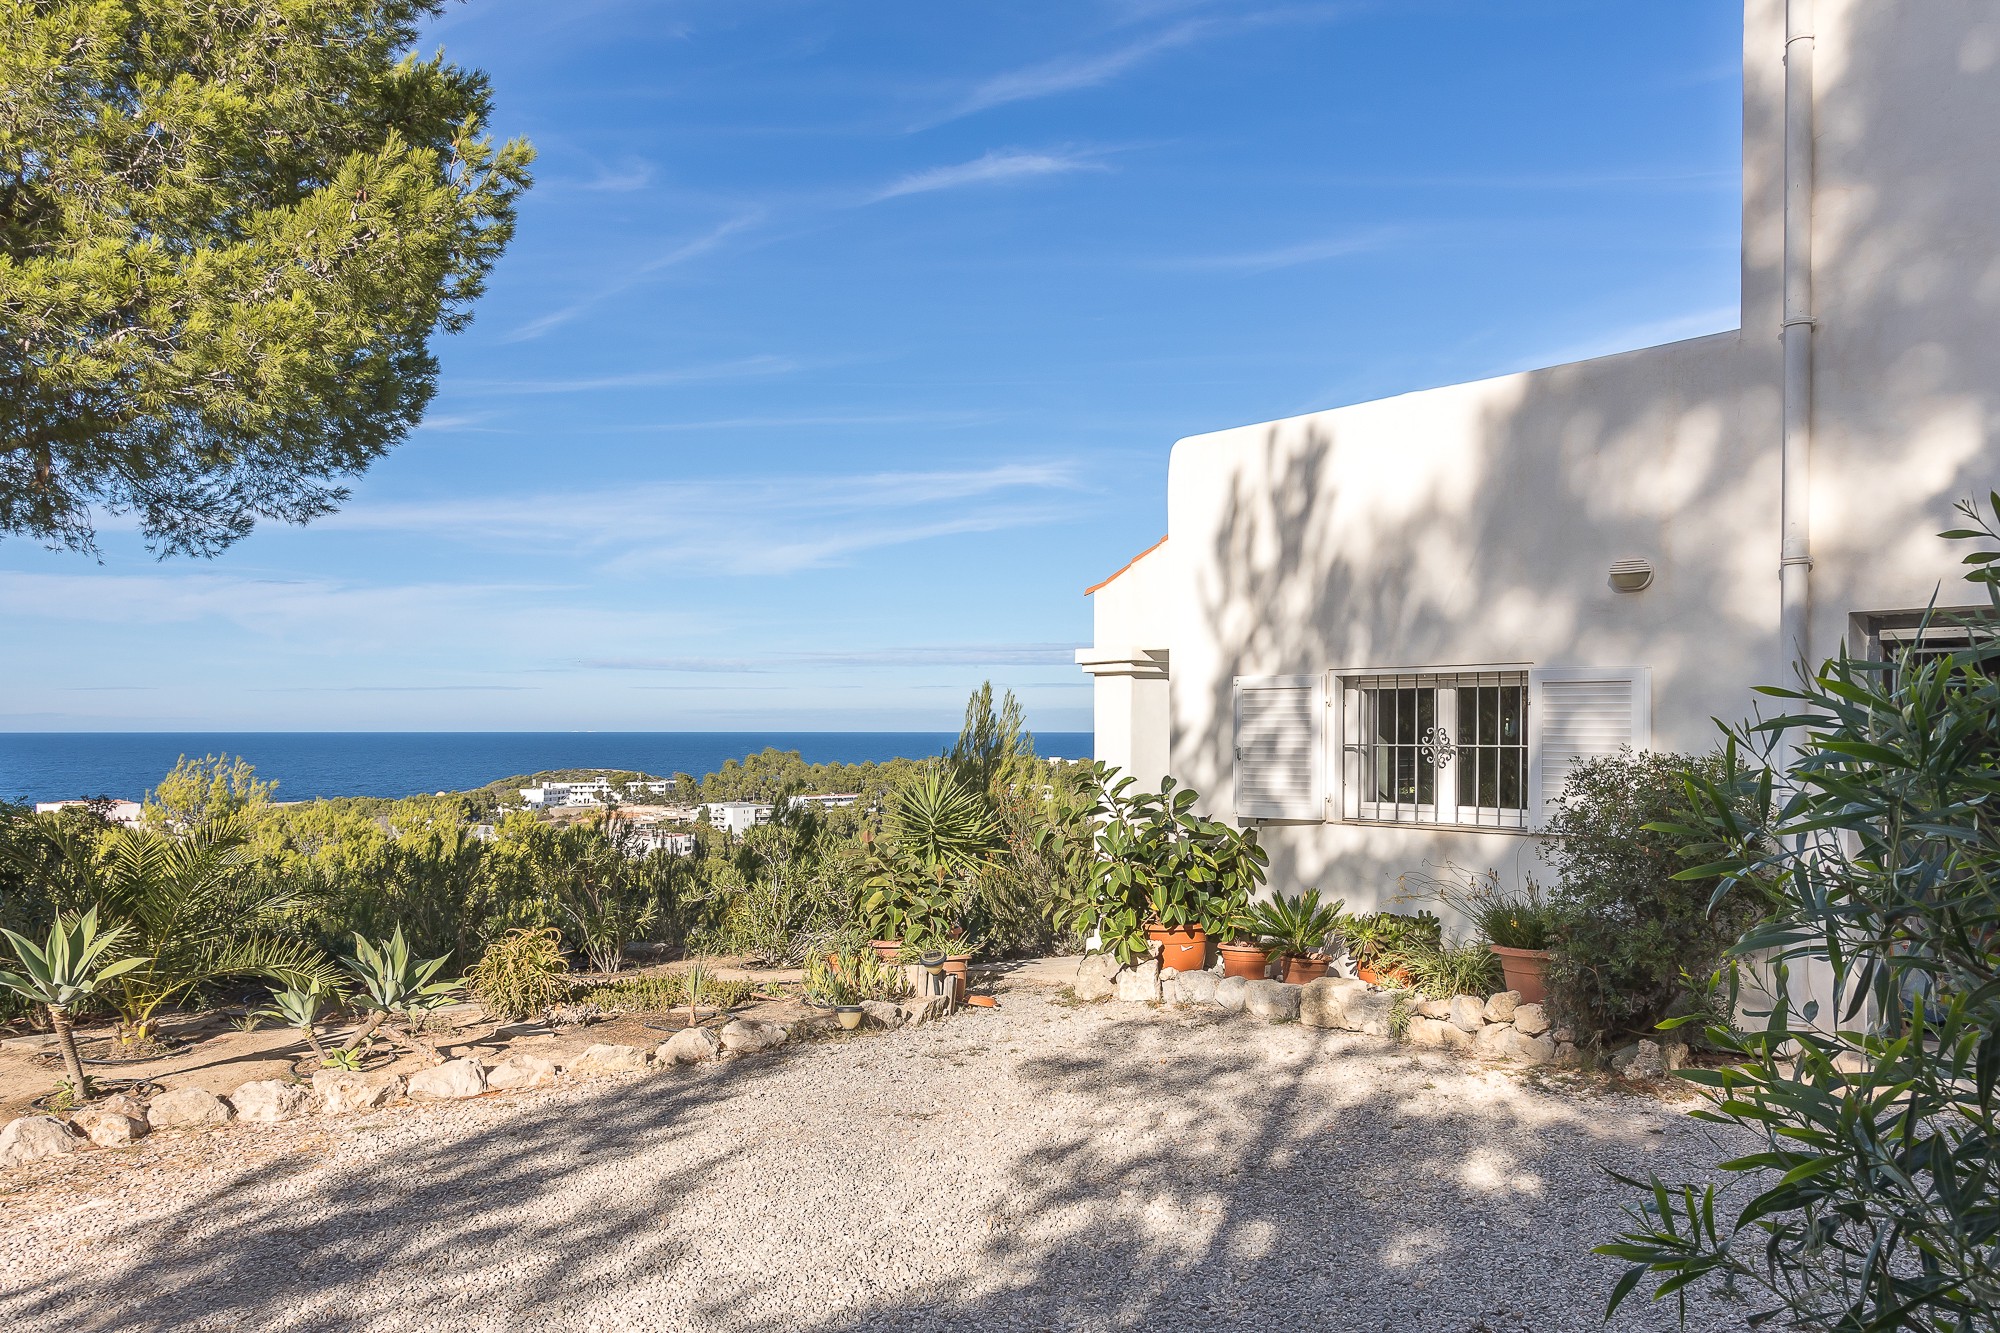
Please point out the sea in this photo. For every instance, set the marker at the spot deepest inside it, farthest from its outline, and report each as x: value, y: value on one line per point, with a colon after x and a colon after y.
x: 56, y: 766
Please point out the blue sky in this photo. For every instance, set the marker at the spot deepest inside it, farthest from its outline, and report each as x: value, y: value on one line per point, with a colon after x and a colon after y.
x: 842, y: 345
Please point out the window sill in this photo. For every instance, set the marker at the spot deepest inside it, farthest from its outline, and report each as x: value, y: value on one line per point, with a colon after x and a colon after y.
x: 1518, y: 830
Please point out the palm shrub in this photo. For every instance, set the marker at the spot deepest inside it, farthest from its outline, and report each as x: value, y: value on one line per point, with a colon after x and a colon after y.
x: 1298, y: 927
x: 196, y: 916
x: 1628, y: 929
x: 399, y: 991
x: 75, y: 961
x: 521, y: 974
x: 1864, y: 836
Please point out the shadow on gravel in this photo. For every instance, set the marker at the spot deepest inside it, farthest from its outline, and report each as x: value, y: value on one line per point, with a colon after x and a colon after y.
x: 414, y: 1226
x: 1241, y: 1189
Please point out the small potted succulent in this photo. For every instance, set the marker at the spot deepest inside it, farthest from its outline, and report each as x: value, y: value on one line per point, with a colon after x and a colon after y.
x: 1301, y: 931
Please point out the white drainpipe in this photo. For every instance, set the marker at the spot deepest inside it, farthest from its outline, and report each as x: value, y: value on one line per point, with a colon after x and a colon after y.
x: 1795, y: 562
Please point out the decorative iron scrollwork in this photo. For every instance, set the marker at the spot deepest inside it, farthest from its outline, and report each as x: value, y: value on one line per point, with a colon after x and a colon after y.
x: 1438, y: 747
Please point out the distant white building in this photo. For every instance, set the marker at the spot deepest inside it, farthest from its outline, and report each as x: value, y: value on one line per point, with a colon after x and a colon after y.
x: 128, y: 813
x: 553, y: 794
x: 737, y: 817
x: 673, y: 843
x: 839, y: 800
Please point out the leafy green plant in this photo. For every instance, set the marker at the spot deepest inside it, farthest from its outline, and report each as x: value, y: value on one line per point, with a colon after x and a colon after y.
x: 399, y: 990
x: 1441, y: 969
x: 1863, y: 838
x: 1381, y: 940
x: 72, y: 964
x: 1155, y: 860
x: 350, y: 1057
x: 1627, y: 929
x: 1299, y: 927
x: 851, y: 978
x: 663, y: 992
x: 940, y: 821
x: 521, y: 974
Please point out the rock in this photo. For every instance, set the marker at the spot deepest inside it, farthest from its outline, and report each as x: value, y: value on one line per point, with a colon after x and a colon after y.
x: 1229, y: 993
x: 1645, y: 1061
x: 107, y: 1128
x: 611, y: 1058
x: 881, y: 1014
x: 523, y: 1071
x: 1140, y: 983
x: 1192, y: 988
x: 1566, y: 1053
x: 693, y: 1046
x: 1272, y: 1000
x: 1500, y: 1008
x: 1371, y: 1013
x: 744, y: 1036
x: 1532, y: 1050
x: 1532, y: 1019
x: 1455, y: 1038
x: 1096, y: 975
x: 1434, y: 1008
x: 34, y: 1137
x: 1468, y: 1012
x: 123, y: 1104
x: 451, y: 1080
x: 270, y: 1101
x: 1323, y: 1002
x: 1427, y: 1032
x: 811, y: 1025
x: 185, y: 1108
x: 1674, y: 1054
x: 925, y: 1009
x: 1490, y: 1041
x: 1563, y: 1034
x: 343, y: 1090
x: 1621, y: 1059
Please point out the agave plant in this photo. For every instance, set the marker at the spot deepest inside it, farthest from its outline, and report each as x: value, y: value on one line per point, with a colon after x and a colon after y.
x: 300, y: 1007
x: 195, y: 917
x: 399, y: 989
x: 1298, y: 926
x: 69, y: 967
x: 943, y: 822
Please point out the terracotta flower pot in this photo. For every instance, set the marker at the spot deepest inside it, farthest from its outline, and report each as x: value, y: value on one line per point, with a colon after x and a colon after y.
x: 1526, y: 970
x: 886, y: 950
x: 1299, y: 969
x: 956, y: 967
x: 1249, y: 961
x: 982, y: 1001
x: 1182, y: 950
x: 1391, y: 976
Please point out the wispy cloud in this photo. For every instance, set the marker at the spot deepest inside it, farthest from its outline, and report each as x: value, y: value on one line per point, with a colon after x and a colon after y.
x: 1066, y: 74
x: 985, y: 654
x: 995, y: 166
x: 742, y: 368
x: 672, y: 257
x: 1290, y: 256
x: 752, y: 526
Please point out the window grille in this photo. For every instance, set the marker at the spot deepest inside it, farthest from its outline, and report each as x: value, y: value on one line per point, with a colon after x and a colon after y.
x: 1438, y: 748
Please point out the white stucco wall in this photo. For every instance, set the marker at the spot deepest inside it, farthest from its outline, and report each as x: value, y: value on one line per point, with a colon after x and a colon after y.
x: 1475, y: 524
x: 1132, y: 629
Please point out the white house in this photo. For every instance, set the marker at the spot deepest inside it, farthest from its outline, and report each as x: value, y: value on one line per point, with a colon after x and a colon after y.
x: 129, y: 813
x: 553, y: 794
x: 1384, y: 632
x: 736, y: 817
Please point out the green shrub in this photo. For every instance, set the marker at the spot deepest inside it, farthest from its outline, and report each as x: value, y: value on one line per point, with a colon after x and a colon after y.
x: 1628, y: 935
x: 1869, y: 1200
x: 1439, y: 970
x: 663, y: 992
x: 521, y: 974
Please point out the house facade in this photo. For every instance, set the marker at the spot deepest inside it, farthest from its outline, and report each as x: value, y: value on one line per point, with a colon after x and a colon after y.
x: 1383, y: 633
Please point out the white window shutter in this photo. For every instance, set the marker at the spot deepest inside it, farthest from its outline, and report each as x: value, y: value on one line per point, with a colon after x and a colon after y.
x: 1280, y: 741
x: 1580, y: 713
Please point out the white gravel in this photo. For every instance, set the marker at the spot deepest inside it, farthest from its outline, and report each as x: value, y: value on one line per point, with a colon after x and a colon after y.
x: 1035, y: 1167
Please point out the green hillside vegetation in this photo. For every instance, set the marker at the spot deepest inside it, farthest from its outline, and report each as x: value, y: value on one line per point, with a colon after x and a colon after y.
x: 456, y: 872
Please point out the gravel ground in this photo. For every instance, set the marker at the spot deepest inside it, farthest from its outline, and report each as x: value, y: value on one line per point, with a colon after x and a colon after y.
x: 1035, y: 1167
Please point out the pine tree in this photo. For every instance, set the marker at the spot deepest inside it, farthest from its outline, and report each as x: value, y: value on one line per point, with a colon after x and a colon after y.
x: 227, y: 234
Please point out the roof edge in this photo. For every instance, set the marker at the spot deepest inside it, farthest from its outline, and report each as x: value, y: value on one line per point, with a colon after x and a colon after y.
x: 1127, y: 565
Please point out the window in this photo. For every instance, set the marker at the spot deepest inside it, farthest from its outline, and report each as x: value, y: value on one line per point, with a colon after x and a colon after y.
x: 1438, y: 748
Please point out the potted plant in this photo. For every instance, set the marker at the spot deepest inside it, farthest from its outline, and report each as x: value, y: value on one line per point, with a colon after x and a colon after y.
x: 1518, y: 932
x: 1243, y: 953
x: 1160, y: 877
x: 1380, y: 942
x: 1300, y: 931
